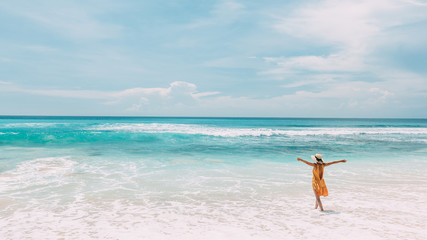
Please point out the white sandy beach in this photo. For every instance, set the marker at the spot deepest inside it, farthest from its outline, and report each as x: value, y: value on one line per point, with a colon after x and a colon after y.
x: 234, y: 203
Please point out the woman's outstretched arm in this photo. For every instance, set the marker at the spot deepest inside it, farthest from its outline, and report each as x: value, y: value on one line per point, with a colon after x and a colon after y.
x: 330, y: 163
x: 304, y: 161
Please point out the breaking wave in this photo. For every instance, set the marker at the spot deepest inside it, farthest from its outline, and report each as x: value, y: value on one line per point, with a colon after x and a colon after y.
x: 237, y: 132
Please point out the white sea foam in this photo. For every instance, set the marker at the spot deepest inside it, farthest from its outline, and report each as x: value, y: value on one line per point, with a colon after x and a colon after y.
x: 31, y: 176
x: 237, y: 132
x: 123, y: 200
x: 30, y: 125
x: 12, y: 133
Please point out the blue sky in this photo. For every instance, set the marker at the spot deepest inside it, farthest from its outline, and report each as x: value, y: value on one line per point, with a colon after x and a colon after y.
x: 214, y: 58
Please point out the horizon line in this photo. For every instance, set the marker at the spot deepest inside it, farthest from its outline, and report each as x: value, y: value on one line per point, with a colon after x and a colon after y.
x: 212, y: 117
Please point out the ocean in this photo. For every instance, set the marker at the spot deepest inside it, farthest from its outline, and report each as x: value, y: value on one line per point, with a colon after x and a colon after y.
x: 210, y: 178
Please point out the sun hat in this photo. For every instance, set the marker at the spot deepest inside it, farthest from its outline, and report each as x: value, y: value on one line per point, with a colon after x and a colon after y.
x: 317, y: 157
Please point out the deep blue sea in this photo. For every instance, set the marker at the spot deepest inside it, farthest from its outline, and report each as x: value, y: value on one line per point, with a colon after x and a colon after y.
x: 223, y: 178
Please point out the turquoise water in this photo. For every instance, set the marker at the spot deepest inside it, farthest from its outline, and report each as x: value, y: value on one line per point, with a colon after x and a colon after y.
x: 224, y: 177
x: 244, y: 139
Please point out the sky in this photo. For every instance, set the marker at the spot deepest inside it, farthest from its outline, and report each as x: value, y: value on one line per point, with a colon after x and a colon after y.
x: 216, y: 58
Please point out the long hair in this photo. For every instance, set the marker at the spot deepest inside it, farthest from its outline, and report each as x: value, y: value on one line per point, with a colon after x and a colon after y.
x: 319, y: 160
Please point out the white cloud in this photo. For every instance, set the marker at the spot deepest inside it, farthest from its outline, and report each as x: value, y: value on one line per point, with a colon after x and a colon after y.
x: 142, y: 99
x: 141, y: 91
x: 175, y: 88
x: 351, y: 72
x: 133, y: 99
x: 416, y: 3
x: 346, y: 23
x: 339, y: 99
x: 319, y: 79
x: 338, y: 62
x: 204, y: 94
x: 70, y: 20
x: 342, y: 22
x: 342, y: 100
x: 82, y: 94
x: 352, y: 28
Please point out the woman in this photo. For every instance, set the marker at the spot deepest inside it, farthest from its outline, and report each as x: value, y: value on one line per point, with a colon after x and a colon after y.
x: 318, y: 183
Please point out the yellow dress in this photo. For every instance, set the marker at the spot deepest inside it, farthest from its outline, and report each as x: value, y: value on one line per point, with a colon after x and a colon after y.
x: 319, y: 185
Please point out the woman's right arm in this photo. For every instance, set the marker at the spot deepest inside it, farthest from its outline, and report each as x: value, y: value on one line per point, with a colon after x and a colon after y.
x: 330, y: 163
x: 304, y: 161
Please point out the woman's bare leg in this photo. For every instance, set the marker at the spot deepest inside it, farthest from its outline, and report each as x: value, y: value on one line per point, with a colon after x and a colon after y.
x: 319, y: 202
x: 315, y: 195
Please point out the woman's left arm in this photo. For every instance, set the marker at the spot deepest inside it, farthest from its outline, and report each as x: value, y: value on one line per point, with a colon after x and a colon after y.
x: 330, y: 163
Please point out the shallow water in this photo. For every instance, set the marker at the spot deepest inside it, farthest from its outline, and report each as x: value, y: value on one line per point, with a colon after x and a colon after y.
x: 183, y: 178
